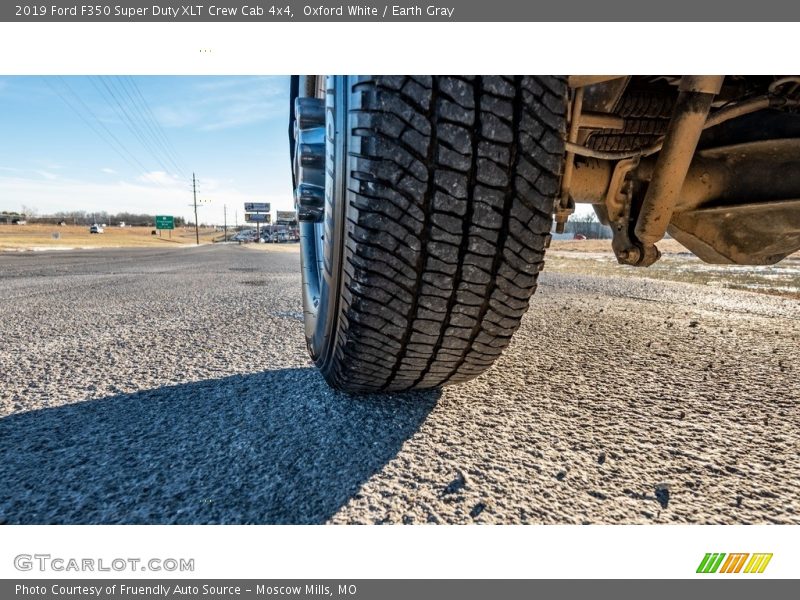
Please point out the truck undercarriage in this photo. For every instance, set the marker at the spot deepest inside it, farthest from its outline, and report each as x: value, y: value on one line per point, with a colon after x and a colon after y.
x: 713, y: 161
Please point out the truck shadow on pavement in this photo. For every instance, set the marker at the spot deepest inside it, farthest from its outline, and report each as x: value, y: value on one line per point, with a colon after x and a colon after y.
x: 272, y: 447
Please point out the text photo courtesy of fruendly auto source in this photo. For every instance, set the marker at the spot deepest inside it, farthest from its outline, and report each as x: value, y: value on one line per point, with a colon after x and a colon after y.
x: 399, y: 299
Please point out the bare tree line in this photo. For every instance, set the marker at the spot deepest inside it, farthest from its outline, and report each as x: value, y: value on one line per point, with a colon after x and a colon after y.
x: 82, y: 217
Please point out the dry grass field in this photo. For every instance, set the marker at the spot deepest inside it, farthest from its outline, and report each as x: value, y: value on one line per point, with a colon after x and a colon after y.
x: 46, y: 237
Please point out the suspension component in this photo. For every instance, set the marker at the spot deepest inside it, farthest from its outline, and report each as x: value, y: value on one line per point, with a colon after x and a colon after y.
x: 688, y: 119
x: 566, y: 205
x: 618, y: 202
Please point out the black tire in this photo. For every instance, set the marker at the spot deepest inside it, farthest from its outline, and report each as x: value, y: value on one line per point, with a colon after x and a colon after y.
x: 443, y: 211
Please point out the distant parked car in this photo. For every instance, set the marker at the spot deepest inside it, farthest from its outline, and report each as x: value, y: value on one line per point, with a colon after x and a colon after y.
x: 244, y: 236
x: 96, y: 229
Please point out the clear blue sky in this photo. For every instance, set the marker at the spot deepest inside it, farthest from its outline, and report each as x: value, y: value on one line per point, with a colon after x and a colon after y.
x: 231, y: 130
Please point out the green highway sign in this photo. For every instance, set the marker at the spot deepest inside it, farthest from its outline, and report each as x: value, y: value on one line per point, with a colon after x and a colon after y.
x: 165, y: 222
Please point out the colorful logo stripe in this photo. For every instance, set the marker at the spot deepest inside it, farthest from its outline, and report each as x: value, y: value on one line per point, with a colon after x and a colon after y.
x: 734, y: 562
x: 758, y: 563
x: 710, y: 563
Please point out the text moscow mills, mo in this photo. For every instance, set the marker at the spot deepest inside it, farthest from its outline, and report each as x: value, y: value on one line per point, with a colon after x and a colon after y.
x: 184, y: 590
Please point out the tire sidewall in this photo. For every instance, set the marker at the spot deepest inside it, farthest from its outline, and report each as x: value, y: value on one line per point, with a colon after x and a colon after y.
x: 321, y: 332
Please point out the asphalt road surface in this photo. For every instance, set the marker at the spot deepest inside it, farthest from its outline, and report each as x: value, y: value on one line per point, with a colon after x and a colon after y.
x: 172, y: 386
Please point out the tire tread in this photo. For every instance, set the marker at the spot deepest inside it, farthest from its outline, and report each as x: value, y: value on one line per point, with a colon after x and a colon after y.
x: 450, y: 199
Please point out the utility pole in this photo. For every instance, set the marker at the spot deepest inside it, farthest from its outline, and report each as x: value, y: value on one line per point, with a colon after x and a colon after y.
x: 225, y: 221
x: 196, y: 226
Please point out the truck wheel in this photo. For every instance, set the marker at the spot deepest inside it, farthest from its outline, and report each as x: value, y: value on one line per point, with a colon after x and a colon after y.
x: 425, y: 205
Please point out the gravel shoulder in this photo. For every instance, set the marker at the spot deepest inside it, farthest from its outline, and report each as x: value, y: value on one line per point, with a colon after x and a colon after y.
x: 173, y: 386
